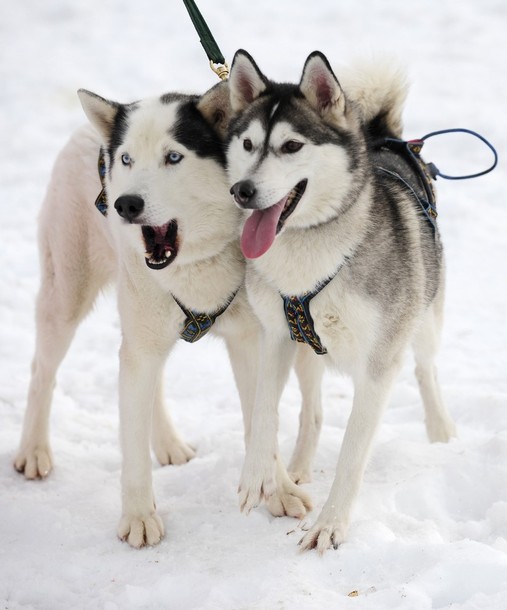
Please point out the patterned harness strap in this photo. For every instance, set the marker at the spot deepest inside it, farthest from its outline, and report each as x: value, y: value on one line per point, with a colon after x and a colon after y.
x: 299, y: 318
x: 196, y: 324
x: 300, y: 321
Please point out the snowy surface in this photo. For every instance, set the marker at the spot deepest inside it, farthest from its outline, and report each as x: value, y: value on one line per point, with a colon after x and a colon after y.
x: 430, y: 526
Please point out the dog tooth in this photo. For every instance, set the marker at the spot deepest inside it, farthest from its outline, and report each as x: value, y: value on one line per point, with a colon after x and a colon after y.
x: 168, y: 253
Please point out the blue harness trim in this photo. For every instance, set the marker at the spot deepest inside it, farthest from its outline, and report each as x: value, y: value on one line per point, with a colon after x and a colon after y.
x: 196, y: 324
x: 410, y: 151
x: 300, y: 321
x: 299, y: 318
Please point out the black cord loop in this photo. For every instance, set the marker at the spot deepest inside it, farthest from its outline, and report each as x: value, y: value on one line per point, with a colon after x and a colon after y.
x: 436, y: 172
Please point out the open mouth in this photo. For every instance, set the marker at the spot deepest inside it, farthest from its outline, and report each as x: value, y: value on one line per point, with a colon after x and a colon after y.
x: 293, y: 198
x: 262, y: 226
x: 161, y: 244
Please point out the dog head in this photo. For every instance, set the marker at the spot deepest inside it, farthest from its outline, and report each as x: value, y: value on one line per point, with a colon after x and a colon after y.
x: 295, y: 151
x: 165, y: 178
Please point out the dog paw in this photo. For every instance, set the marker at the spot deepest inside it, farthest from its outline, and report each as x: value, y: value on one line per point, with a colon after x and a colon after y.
x: 172, y: 450
x: 146, y: 530
x: 255, y: 486
x: 251, y: 496
x: 300, y: 475
x: 323, y: 537
x: 35, y: 463
x: 273, y: 485
x: 289, y: 500
x: 441, y: 431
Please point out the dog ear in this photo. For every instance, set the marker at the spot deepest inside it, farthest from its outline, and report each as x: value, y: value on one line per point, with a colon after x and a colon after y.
x: 215, y: 107
x: 320, y: 86
x: 100, y: 112
x: 246, y: 81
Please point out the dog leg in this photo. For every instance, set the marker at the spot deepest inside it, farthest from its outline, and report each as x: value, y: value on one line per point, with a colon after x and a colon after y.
x: 34, y: 457
x: 243, y: 350
x: 149, y: 332
x: 168, y: 446
x: 439, y: 424
x: 309, y: 370
x: 264, y: 476
x: 370, y: 398
x: 139, y: 524
x: 67, y: 292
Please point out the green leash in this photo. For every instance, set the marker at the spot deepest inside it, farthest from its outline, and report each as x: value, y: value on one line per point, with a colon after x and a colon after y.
x: 216, y: 59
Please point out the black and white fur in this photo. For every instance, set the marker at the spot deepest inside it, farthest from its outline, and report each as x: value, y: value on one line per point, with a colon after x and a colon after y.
x: 170, y: 231
x: 303, y: 159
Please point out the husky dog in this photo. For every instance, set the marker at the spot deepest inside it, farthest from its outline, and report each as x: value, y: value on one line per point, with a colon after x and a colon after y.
x: 342, y: 257
x: 170, y: 239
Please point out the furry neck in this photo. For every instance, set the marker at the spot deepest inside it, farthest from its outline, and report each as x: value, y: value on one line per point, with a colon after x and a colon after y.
x: 302, y: 258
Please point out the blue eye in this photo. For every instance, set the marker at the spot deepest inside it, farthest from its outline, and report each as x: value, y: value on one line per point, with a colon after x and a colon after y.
x: 173, y: 157
x: 125, y: 159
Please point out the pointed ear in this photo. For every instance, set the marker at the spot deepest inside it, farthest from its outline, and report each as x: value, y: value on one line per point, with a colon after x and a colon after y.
x: 320, y: 86
x: 100, y: 112
x: 215, y: 107
x: 246, y: 81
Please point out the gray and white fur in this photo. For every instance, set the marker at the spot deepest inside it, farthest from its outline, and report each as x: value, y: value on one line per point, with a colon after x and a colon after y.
x: 304, y: 161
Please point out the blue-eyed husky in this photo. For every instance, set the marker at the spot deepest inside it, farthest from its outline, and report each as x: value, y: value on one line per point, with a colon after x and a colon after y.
x: 344, y: 255
x: 170, y: 238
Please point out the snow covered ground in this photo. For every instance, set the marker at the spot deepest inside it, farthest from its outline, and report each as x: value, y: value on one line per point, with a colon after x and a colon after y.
x: 430, y: 527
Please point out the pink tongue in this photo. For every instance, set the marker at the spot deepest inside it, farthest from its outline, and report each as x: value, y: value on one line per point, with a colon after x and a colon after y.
x: 259, y: 231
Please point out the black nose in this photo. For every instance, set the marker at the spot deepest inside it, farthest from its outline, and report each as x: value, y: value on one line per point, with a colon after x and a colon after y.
x: 243, y: 192
x: 129, y: 206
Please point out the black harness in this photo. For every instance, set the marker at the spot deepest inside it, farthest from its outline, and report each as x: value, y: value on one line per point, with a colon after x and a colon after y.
x: 297, y: 308
x: 389, y: 153
x: 425, y: 173
x: 196, y: 324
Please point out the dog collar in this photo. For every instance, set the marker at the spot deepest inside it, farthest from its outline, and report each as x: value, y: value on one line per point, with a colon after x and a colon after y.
x: 101, y: 201
x: 197, y: 324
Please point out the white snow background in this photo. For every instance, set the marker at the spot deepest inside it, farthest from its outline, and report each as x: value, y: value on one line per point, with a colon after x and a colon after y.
x: 430, y: 526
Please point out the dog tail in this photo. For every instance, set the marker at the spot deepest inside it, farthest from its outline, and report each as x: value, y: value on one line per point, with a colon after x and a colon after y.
x: 379, y: 89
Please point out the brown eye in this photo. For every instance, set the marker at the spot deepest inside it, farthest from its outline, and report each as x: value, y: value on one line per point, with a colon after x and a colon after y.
x: 247, y: 145
x: 292, y: 146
